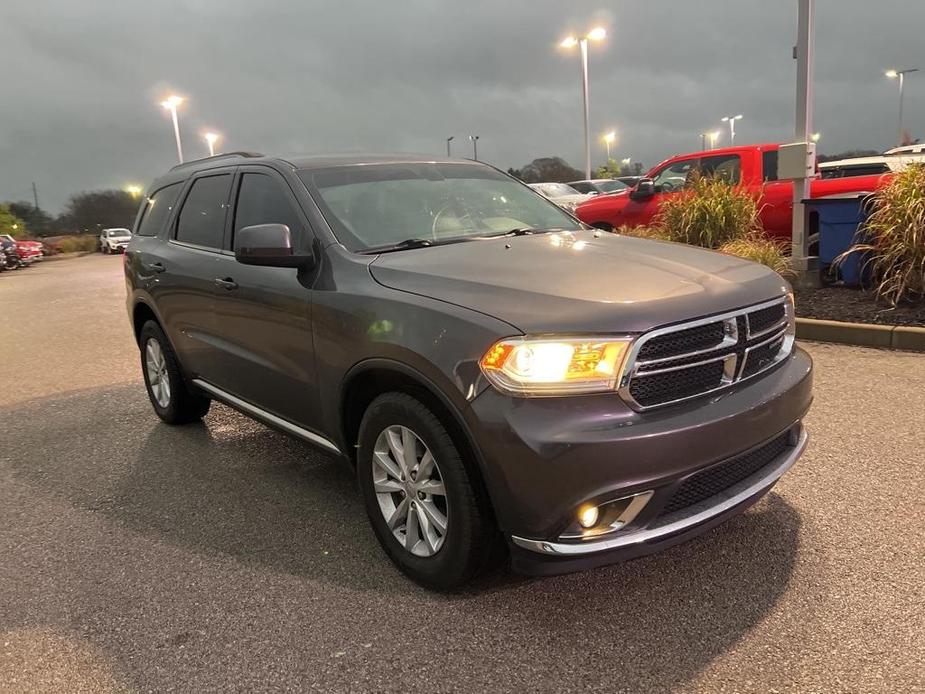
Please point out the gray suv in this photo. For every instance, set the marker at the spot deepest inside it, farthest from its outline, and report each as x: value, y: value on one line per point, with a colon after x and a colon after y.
x: 504, y: 381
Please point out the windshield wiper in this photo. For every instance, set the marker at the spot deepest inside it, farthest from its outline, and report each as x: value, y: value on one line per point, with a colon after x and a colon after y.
x: 401, y: 246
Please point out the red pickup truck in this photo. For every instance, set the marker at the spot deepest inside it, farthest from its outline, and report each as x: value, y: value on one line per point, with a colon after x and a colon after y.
x: 752, y: 166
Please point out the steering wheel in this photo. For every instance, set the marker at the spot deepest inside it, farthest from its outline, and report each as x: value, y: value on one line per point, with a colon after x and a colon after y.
x: 433, y: 226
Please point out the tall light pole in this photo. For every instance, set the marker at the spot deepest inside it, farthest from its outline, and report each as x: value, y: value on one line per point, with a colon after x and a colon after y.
x: 448, y: 141
x: 901, y: 74
x: 210, y: 139
x: 732, y: 127
x: 609, y: 139
x: 596, y: 34
x: 711, y: 136
x: 804, y: 52
x: 475, y: 146
x: 171, y: 103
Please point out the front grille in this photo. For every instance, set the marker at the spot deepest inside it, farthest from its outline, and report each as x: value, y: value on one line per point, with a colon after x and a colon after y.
x: 684, y: 361
x: 673, y: 385
x: 764, y: 319
x: 760, y: 357
x: 710, y: 482
x: 690, y: 340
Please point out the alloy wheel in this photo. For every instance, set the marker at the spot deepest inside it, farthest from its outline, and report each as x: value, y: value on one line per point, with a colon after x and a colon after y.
x: 156, y: 368
x: 410, y: 490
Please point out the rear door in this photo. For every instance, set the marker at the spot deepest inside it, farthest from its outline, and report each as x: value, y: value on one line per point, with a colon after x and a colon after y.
x: 189, y: 266
x: 266, y: 352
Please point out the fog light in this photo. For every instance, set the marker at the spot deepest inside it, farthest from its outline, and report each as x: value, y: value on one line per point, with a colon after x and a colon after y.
x: 588, y: 516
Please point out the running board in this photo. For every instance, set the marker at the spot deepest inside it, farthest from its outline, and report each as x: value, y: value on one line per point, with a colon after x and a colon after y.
x: 266, y: 417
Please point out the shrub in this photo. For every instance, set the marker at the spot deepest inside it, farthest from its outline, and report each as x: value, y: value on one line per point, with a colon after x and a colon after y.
x: 709, y: 213
x: 760, y: 249
x: 80, y: 242
x: 894, y: 237
x: 643, y: 232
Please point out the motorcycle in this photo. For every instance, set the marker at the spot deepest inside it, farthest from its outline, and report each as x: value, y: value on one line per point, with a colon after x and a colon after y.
x: 10, y: 259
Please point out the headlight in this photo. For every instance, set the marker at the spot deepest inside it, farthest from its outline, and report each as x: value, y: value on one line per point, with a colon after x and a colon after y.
x: 555, y: 366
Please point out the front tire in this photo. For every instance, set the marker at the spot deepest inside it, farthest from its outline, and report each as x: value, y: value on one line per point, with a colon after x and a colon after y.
x: 430, y: 516
x: 172, y: 399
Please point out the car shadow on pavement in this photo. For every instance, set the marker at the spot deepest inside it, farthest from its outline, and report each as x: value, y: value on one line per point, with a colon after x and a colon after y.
x: 232, y: 488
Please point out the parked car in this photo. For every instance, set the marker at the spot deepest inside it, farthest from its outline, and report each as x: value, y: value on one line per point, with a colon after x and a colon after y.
x: 630, y: 181
x: 560, y: 193
x: 114, y: 240
x: 752, y: 166
x: 599, y: 186
x: 27, y: 252
x: 496, y: 376
x: 917, y: 148
x: 893, y: 161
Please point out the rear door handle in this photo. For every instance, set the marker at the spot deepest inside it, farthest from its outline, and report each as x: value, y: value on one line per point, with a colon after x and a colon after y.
x: 156, y: 267
x: 225, y: 283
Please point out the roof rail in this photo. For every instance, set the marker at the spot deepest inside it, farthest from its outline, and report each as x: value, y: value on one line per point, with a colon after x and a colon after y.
x: 218, y: 157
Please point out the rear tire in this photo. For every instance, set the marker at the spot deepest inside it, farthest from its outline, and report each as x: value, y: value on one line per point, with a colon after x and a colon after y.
x: 172, y: 399
x: 441, y: 561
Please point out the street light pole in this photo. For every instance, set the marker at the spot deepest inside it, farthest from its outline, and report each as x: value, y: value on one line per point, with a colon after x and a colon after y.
x: 805, y: 56
x: 732, y: 127
x: 210, y: 139
x: 609, y: 139
x: 475, y: 146
x: 171, y: 103
x: 596, y: 34
x: 448, y: 141
x: 901, y: 74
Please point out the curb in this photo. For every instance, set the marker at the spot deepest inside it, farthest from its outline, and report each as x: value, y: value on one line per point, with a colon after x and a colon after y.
x: 862, y: 334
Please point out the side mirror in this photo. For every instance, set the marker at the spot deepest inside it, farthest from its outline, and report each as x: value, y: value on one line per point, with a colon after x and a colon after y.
x: 645, y: 188
x: 269, y: 245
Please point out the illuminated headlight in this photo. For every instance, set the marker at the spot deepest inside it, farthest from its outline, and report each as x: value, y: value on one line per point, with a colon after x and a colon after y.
x: 555, y: 366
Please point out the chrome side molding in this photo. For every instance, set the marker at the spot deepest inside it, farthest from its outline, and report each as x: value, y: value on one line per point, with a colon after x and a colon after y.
x: 266, y: 417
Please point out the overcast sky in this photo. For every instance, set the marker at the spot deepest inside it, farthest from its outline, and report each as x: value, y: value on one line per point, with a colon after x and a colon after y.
x: 82, y: 80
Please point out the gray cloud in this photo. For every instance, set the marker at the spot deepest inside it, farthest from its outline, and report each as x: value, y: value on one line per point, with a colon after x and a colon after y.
x: 288, y: 75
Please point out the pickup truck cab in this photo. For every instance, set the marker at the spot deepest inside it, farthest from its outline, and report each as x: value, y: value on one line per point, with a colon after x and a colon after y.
x: 752, y: 166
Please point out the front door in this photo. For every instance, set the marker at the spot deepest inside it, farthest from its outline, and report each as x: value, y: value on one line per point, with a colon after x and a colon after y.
x: 263, y: 314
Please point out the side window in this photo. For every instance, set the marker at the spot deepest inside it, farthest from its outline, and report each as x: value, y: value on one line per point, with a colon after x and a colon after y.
x: 769, y: 165
x: 674, y: 176
x: 262, y: 200
x: 157, y: 209
x: 202, y: 217
x: 581, y: 187
x: 725, y: 167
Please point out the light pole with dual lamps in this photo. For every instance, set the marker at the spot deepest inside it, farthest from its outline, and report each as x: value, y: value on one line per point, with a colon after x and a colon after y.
x: 732, y: 127
x: 596, y: 34
x: 901, y: 76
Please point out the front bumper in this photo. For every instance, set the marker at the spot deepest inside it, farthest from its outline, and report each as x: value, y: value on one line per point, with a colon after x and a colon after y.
x: 545, y: 457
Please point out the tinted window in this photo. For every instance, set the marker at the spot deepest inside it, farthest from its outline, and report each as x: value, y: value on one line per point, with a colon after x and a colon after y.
x: 582, y: 187
x: 614, y: 186
x: 157, y: 209
x: 262, y: 200
x: 202, y: 217
x: 769, y: 164
x: 725, y: 167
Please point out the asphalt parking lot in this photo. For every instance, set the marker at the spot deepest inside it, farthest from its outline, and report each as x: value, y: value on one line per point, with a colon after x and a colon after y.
x: 228, y: 557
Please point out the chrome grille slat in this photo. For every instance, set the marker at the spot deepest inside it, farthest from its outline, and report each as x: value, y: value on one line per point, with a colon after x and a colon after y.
x: 739, y: 343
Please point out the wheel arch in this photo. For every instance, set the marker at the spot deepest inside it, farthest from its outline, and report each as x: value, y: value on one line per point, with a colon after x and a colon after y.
x: 369, y: 379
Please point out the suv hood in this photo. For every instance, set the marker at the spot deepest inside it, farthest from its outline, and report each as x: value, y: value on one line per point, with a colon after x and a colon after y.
x: 579, y: 282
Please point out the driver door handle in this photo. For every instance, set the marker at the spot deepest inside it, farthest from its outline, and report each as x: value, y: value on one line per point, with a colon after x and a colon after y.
x: 156, y: 267
x: 225, y: 283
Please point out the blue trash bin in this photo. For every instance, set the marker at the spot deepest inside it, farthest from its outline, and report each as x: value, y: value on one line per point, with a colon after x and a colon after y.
x: 837, y: 220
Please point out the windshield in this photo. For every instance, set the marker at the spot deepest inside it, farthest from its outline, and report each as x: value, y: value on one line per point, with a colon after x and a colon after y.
x: 120, y: 232
x: 380, y: 205
x: 554, y: 190
x: 612, y: 186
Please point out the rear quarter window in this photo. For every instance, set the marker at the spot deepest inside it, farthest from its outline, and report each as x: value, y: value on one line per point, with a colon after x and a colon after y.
x: 157, y: 210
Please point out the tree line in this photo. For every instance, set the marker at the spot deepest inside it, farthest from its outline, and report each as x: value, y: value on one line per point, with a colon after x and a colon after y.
x: 557, y: 170
x: 84, y: 213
